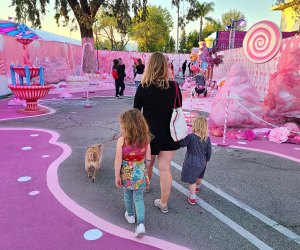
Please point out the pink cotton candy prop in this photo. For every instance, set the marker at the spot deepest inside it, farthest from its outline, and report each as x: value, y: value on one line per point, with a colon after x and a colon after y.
x: 242, y: 91
x: 283, y: 98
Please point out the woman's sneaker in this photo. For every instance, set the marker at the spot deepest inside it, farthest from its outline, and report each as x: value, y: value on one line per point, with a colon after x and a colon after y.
x: 158, y: 204
x: 192, y: 201
x: 130, y: 218
x: 140, y: 231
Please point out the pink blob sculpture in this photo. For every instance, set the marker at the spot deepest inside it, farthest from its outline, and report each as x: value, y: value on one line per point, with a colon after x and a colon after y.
x: 283, y: 98
x: 241, y: 90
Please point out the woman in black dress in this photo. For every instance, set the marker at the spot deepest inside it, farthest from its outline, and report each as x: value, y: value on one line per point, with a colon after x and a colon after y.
x: 156, y: 96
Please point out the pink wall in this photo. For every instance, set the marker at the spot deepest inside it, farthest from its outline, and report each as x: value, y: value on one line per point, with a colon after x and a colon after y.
x: 61, y: 59
x: 106, y: 57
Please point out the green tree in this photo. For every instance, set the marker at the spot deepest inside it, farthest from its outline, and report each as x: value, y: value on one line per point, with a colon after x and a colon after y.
x: 182, y: 42
x: 211, y: 27
x: 154, y: 33
x: 230, y: 15
x: 170, y: 45
x: 103, y: 44
x: 107, y: 27
x: 84, y: 12
x: 200, y: 11
x: 192, y: 40
x: 180, y: 19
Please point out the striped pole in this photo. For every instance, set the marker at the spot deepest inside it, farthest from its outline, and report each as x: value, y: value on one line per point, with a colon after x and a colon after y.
x: 87, y: 104
x: 191, y: 104
x: 224, y: 144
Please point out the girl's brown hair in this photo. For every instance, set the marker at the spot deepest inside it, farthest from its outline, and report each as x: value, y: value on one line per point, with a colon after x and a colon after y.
x: 135, y: 128
x: 200, y: 127
x: 156, y: 71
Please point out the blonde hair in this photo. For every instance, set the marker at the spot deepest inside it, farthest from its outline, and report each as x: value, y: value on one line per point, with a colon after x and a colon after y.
x: 200, y: 127
x: 156, y: 72
x: 135, y: 128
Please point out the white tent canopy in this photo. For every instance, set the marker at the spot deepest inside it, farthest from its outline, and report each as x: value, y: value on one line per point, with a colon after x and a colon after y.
x: 48, y: 36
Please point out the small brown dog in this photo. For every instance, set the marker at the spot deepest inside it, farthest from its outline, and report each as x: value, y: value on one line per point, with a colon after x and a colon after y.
x: 93, y: 157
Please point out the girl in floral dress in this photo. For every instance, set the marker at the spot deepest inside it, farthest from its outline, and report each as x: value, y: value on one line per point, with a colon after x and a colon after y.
x: 132, y: 155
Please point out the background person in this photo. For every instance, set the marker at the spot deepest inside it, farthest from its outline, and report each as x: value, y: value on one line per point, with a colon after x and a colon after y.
x: 140, y: 67
x: 118, y: 80
x: 122, y: 78
x: 189, y: 67
x: 184, y: 68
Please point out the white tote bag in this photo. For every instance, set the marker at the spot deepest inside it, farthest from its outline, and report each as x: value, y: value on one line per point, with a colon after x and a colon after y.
x: 178, y: 126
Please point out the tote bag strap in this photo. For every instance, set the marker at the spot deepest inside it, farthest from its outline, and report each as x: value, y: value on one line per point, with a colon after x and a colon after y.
x: 177, y: 96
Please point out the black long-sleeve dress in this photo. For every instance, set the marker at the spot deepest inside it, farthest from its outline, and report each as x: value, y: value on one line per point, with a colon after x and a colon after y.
x: 119, y: 83
x: 157, y: 105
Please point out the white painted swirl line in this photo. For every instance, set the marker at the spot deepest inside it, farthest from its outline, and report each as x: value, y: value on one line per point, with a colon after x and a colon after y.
x: 263, y: 218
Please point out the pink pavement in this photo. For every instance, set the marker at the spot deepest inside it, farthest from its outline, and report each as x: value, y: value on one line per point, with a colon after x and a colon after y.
x: 285, y: 150
x: 10, y: 112
x: 31, y: 217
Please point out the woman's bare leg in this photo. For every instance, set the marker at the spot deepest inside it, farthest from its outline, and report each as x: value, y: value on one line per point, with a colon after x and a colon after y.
x: 164, y: 166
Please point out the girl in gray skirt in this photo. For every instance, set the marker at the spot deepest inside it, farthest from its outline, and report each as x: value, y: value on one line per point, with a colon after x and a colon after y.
x: 196, y: 157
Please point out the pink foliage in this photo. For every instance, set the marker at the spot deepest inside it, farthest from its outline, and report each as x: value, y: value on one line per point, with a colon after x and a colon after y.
x: 279, y: 134
x: 295, y: 139
x: 293, y: 127
x: 261, y: 132
x: 249, y: 135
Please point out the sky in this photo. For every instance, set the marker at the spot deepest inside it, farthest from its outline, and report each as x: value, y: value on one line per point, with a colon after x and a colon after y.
x: 254, y: 10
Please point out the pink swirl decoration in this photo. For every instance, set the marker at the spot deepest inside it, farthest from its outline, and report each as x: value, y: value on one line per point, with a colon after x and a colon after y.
x: 262, y: 42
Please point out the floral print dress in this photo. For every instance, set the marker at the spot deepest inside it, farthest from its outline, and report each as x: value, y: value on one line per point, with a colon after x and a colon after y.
x: 133, y: 170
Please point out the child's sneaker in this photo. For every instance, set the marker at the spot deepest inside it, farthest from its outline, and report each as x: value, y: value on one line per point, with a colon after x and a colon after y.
x: 130, y: 219
x: 197, y: 189
x: 140, y: 231
x: 192, y: 201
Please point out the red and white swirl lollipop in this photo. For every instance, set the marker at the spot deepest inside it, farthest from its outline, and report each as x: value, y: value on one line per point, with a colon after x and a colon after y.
x: 262, y: 42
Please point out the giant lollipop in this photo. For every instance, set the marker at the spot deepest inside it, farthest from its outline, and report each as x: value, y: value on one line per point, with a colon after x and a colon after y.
x: 262, y: 42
